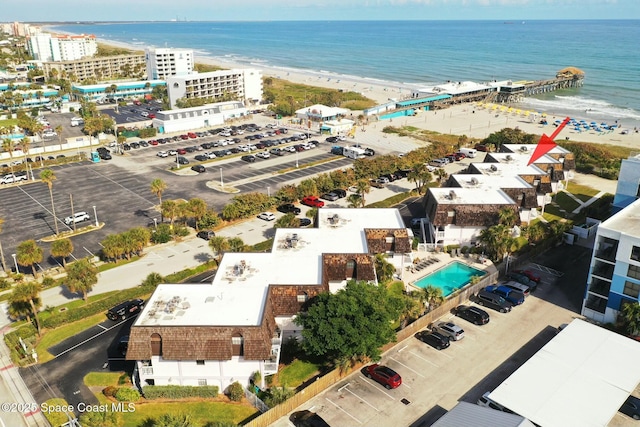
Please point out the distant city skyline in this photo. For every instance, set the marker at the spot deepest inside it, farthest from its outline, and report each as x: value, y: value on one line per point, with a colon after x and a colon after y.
x: 334, y: 10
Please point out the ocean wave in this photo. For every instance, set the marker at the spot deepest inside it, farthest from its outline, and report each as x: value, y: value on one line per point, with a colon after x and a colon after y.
x: 583, y: 106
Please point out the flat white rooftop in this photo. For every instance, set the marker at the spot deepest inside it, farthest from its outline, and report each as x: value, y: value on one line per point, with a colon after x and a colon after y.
x: 531, y: 148
x: 521, y: 157
x: 580, y: 378
x: 627, y: 221
x: 508, y: 169
x: 455, y: 88
x: 479, y: 181
x: 226, y: 304
x: 471, y: 196
x: 343, y: 219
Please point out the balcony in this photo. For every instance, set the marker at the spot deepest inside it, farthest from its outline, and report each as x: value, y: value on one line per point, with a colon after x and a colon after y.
x: 603, y: 270
x: 607, y: 249
x: 596, y: 303
x: 600, y: 287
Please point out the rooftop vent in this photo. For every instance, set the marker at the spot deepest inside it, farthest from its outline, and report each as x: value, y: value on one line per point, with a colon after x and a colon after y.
x: 524, y: 148
x: 509, y: 158
x: 494, y: 168
x: 334, y: 219
x: 474, y: 181
x: 452, y: 195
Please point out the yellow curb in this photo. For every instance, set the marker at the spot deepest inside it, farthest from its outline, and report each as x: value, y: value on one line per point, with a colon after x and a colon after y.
x: 65, y: 234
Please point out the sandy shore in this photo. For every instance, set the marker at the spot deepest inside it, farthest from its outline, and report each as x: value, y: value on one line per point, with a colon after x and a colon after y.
x: 466, y: 119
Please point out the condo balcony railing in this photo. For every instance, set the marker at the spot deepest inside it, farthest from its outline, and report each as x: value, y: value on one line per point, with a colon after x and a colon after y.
x: 603, y: 270
x: 599, y: 286
x: 608, y: 253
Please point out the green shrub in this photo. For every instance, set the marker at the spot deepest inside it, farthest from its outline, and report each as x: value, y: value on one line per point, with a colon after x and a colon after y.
x: 235, y: 392
x: 126, y: 394
x: 180, y: 230
x: 178, y: 392
x: 4, y: 284
x: 110, y: 391
x: 278, y: 395
x: 49, y: 282
x: 162, y: 234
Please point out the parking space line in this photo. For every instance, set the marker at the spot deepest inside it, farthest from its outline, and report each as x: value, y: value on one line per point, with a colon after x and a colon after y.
x: 378, y: 388
x: 412, y: 370
x: 422, y: 358
x: 360, y: 398
x: 337, y: 406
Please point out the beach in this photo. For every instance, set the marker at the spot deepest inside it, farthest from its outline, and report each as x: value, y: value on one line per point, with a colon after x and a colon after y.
x: 471, y: 120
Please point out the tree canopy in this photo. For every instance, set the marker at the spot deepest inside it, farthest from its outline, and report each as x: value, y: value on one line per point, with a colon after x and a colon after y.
x: 354, y: 323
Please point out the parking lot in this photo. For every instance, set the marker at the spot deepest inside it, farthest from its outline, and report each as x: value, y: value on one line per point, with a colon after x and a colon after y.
x: 434, y: 381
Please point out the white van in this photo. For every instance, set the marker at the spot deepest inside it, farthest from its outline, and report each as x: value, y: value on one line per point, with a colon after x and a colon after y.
x: 76, y: 121
x: 439, y: 163
x: 469, y: 152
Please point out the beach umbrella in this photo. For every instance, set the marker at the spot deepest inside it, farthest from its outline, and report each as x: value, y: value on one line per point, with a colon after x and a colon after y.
x: 544, y: 114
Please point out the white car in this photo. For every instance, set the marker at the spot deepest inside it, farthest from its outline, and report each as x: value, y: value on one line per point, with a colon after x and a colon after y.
x: 144, y: 114
x: 173, y: 153
x: 11, y: 178
x: 211, y: 155
x: 267, y: 216
x: 162, y: 154
x: 77, y: 217
x: 263, y: 155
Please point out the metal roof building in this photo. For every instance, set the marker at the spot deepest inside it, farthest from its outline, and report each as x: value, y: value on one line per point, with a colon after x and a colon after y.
x: 469, y: 414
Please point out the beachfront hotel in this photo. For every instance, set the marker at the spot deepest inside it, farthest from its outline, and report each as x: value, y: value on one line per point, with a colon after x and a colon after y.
x: 219, y: 333
x: 163, y: 63
x: 48, y: 47
x: 245, y: 84
x: 103, y: 67
x: 614, y: 272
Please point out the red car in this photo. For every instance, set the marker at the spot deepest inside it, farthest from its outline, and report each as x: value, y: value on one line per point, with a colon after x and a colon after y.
x: 192, y: 135
x: 184, y: 136
x: 529, y: 274
x: 153, y: 142
x: 383, y: 375
x: 312, y: 201
x: 182, y: 151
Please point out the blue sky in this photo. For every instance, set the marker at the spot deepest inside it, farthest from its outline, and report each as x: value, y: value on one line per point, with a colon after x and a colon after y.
x: 258, y: 10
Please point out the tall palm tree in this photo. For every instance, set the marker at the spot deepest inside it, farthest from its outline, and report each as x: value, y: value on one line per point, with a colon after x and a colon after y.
x: 363, y: 186
x: 355, y: 200
x: 28, y: 253
x: 58, y: 130
x: 170, y: 209
x: 8, y: 146
x: 507, y: 216
x: 62, y: 248
x: 220, y: 245
x: 47, y: 176
x: 157, y: 187
x: 82, y: 276
x: 432, y: 297
x: 28, y: 293
x: 4, y: 265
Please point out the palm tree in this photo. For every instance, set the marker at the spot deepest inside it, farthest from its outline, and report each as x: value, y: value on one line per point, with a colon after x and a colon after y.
x: 28, y: 253
x: 355, y: 200
x: 384, y: 269
x: 220, y: 245
x: 58, y: 130
x: 62, y: 249
x: 112, y: 247
x: 82, y: 275
x: 157, y: 187
x: 28, y: 293
x: 4, y: 265
x: 507, y: 216
x: 236, y: 244
x: 432, y: 297
x: 363, y: 186
x: 631, y: 317
x: 170, y: 209
x: 197, y: 209
x: 47, y: 176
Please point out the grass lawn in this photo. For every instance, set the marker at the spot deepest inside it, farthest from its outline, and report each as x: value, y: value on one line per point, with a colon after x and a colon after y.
x: 566, y: 202
x: 104, y: 379
x: 582, y: 192
x: 56, y: 418
x: 552, y: 213
x: 296, y: 373
x: 62, y: 333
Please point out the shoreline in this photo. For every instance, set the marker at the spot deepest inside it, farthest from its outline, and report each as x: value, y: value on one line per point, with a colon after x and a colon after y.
x: 464, y: 119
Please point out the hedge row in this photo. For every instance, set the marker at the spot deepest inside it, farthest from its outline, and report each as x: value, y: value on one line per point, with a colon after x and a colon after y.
x: 178, y: 392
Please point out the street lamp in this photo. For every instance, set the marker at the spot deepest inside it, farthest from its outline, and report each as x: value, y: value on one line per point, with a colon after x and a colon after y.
x: 15, y: 261
x: 155, y: 223
x: 95, y: 214
x: 221, y: 181
x: 296, y: 159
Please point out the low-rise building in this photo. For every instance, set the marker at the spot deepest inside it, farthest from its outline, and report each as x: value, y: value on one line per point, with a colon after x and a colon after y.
x: 102, y: 67
x: 219, y: 333
x: 126, y: 90
x: 183, y: 119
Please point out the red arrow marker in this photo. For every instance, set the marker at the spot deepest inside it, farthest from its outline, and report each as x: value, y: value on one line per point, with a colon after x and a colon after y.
x: 546, y: 143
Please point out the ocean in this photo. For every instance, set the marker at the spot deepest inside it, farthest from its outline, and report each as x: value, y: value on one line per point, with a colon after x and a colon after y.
x: 422, y: 53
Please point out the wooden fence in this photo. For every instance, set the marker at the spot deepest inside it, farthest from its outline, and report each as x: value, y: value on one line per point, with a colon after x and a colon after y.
x: 322, y: 383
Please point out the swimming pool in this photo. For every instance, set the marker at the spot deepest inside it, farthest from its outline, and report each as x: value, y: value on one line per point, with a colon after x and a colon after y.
x: 449, y: 278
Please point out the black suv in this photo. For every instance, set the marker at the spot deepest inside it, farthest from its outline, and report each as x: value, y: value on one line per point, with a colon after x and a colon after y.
x: 289, y: 208
x: 471, y: 314
x: 126, y: 309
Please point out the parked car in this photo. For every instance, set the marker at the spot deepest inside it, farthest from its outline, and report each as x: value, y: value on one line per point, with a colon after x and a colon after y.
x: 516, y: 286
x: 182, y: 160
x: 249, y: 158
x: 491, y: 300
x: 383, y: 375
x: 481, y: 147
x: 263, y: 155
x: 162, y: 154
x: 123, y: 345
x: 206, y: 234
x: 513, y: 296
x: 449, y: 329
x: 289, y: 208
x: 530, y: 275
x: 305, y: 222
x: 312, y: 201
x: 307, y: 419
x: 126, y: 309
x: 471, y: 314
x: 77, y: 217
x: 198, y: 168
x: 267, y: 216
x: 332, y: 197
x: 521, y: 278
x: 434, y: 339
x: 339, y: 192
x: 631, y: 407
x: 201, y: 157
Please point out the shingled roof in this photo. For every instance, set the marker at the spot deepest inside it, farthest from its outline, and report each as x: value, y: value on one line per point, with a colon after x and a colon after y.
x: 377, y: 240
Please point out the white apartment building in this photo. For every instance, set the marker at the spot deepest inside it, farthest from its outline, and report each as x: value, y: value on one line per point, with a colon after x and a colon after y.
x: 61, y: 47
x: 219, y: 333
x: 614, y: 273
x: 245, y: 84
x: 628, y: 189
x: 163, y: 63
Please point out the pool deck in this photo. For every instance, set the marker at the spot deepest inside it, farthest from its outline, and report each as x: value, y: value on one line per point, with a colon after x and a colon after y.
x: 411, y: 274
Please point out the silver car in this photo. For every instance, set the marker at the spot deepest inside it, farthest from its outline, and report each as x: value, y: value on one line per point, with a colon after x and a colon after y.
x: 451, y: 330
